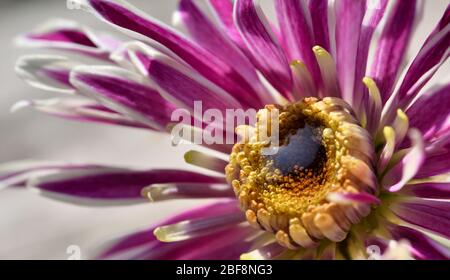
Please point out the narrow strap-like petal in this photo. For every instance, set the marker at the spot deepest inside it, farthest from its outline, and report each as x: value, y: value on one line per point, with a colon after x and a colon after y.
x: 78, y: 109
x: 47, y: 72
x: 295, y: 25
x: 124, y: 92
x: 431, y: 56
x: 374, y: 13
x: 207, y: 35
x: 109, y: 184
x: 69, y: 36
x: 423, y: 247
x: 137, y: 24
x: 430, y: 112
x: 392, y: 46
x: 428, y: 214
x: 319, y: 18
x: 349, y: 18
x: 428, y: 190
x: 266, y: 51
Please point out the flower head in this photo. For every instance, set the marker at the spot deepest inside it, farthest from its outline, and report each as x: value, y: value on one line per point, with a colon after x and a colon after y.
x: 360, y: 157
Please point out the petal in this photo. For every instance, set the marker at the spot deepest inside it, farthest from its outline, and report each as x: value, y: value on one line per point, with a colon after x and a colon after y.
x: 178, y: 83
x: 17, y: 173
x: 374, y: 13
x: 106, y: 185
x: 428, y: 214
x: 69, y: 36
x: 224, y: 244
x: 295, y: 25
x: 78, y: 109
x: 266, y: 252
x: 349, y: 18
x: 47, y: 72
x: 428, y: 190
x: 135, y: 23
x: 207, y: 35
x: 319, y: 17
x: 351, y: 198
x: 409, y: 166
x: 392, y: 45
x: 266, y: 51
x: 434, y: 52
x: 423, y: 247
x: 431, y: 113
x: 124, y: 92
x: 223, y: 10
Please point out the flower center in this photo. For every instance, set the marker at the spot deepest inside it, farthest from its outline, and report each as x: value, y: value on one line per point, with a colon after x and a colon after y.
x: 321, y: 151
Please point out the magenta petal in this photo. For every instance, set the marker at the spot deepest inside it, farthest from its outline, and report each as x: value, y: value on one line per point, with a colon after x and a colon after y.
x: 432, y: 54
x: 143, y: 245
x: 78, y: 109
x: 392, y: 46
x: 124, y: 92
x: 206, y: 63
x: 428, y: 214
x: 69, y: 36
x: 265, y: 49
x: 423, y: 247
x: 319, y: 17
x: 297, y: 34
x: 349, y: 18
x: 371, y: 20
x: 430, y: 113
x: 207, y: 35
x: 428, y: 190
x: 109, y: 183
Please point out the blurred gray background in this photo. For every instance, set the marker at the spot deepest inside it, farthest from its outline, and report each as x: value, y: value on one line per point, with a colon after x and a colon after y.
x: 32, y: 227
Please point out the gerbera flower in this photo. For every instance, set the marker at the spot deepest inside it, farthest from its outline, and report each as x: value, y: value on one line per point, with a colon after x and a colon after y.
x: 363, y: 149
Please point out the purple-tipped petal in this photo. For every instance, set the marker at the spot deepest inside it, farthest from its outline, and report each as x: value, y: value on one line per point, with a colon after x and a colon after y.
x: 78, y: 109
x: 127, y: 18
x: 431, y: 56
x: 319, y: 17
x: 224, y: 244
x: 349, y: 18
x: 392, y: 46
x: 265, y: 49
x: 124, y: 92
x: 428, y: 190
x: 47, y: 72
x: 207, y: 35
x: 430, y: 113
x: 423, y: 247
x: 428, y: 214
x: 409, y: 166
x: 350, y: 198
x: 180, y: 84
x: 69, y: 36
x: 109, y: 184
x: 296, y: 31
x: 161, y: 192
x: 374, y: 13
x: 18, y: 173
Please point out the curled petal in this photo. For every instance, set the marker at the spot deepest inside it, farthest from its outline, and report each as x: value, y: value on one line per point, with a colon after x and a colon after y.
x: 138, y: 25
x: 69, y: 36
x: 408, y: 167
x: 266, y: 51
x: 124, y: 92
x: 78, y: 109
x: 47, y: 72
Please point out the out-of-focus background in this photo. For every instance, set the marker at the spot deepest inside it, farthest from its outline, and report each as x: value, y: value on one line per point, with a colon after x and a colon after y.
x: 33, y: 227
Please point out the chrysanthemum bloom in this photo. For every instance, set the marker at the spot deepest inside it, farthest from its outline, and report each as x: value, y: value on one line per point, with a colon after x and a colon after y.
x: 362, y: 147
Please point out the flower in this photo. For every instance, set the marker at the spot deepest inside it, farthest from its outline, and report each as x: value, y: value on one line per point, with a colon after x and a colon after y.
x: 363, y: 156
